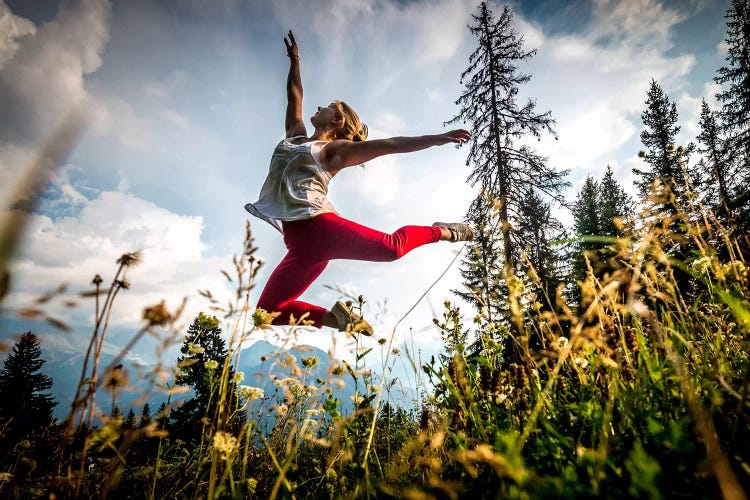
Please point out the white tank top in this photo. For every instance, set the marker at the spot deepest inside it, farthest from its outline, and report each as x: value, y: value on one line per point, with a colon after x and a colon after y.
x: 296, y: 186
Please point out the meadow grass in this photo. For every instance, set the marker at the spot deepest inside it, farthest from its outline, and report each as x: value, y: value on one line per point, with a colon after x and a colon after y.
x: 639, y: 390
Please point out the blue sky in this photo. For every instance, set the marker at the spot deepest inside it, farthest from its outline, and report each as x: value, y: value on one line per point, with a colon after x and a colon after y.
x: 186, y: 101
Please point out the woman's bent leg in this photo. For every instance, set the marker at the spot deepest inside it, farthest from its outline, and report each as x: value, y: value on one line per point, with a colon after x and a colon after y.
x: 287, y: 282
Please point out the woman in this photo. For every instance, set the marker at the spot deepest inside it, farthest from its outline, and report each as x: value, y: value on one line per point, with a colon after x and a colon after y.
x: 294, y: 200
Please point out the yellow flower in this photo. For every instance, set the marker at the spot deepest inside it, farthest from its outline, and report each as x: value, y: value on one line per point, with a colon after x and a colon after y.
x: 211, y: 364
x: 309, y: 362
x: 262, y: 319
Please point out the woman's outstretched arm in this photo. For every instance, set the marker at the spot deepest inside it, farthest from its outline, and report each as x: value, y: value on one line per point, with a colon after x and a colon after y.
x: 342, y: 153
x: 294, y: 123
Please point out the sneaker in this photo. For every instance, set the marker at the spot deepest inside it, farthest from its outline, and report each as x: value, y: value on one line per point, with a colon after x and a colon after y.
x: 346, y: 317
x: 459, y: 231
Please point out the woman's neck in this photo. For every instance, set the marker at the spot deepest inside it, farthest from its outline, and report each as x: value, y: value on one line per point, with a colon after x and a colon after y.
x: 325, y: 134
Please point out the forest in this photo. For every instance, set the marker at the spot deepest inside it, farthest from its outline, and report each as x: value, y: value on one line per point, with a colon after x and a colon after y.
x: 606, y: 359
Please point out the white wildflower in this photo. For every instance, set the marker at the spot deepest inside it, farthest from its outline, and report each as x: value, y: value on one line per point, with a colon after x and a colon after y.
x: 250, y: 393
x: 225, y: 444
x: 281, y: 410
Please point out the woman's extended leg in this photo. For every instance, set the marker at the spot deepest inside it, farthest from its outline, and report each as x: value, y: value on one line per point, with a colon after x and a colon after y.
x: 341, y: 238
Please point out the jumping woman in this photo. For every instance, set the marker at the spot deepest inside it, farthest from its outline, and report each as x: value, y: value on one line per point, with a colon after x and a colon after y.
x: 294, y: 200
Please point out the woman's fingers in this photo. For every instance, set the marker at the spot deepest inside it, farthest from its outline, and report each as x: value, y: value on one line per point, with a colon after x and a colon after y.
x: 459, y: 135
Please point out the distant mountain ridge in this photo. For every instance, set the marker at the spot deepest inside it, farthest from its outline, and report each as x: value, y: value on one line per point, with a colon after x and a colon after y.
x: 261, y: 363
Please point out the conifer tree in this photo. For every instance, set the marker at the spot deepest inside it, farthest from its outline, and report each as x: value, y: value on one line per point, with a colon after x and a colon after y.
x: 613, y: 203
x: 597, y: 207
x: 482, y: 269
x: 586, y: 223
x: 145, y: 416
x: 735, y: 79
x: 201, y: 364
x: 502, y: 167
x: 716, y: 191
x: 538, y: 229
x: 129, y: 422
x: 734, y: 115
x: 25, y: 403
x: 666, y: 161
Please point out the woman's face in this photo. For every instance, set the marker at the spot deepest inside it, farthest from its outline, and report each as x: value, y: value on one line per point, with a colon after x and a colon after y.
x: 326, y: 116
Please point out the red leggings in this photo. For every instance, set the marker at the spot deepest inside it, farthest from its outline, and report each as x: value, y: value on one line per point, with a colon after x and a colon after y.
x: 314, y: 242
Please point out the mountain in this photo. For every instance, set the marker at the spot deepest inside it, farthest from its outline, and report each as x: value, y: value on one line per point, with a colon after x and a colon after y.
x: 261, y: 364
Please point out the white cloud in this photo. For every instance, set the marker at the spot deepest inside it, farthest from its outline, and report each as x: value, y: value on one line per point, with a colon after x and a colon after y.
x: 44, y: 79
x: 42, y: 72
x: 595, y: 80
x: 12, y: 28
x: 635, y: 20
x: 73, y: 249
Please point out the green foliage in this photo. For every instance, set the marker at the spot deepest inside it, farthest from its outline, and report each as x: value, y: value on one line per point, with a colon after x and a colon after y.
x: 200, y: 366
x: 25, y: 404
x: 666, y: 162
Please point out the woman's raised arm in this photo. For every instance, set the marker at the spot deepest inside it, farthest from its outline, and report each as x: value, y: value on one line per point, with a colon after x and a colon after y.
x: 294, y: 123
x: 342, y: 153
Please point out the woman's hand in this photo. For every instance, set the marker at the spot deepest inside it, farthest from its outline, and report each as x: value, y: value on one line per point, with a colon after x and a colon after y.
x: 293, y: 123
x: 458, y: 136
x: 291, y: 46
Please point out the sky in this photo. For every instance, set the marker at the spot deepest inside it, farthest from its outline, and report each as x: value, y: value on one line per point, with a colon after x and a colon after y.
x: 185, y: 102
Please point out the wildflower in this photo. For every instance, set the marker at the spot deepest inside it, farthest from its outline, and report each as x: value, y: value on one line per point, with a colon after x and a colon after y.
x: 194, y: 349
x: 310, y: 390
x: 312, y: 412
x: 338, y: 370
x: 579, y: 361
x: 238, y: 377
x: 561, y: 342
x: 97, y: 280
x: 129, y: 259
x: 225, y: 444
x: 382, y: 341
x: 309, y: 424
x: 211, y: 364
x: 357, y: 398
x: 289, y: 382
x: 515, y: 285
x: 309, y: 362
x: 374, y: 388
x: 262, y: 319
x: 701, y: 266
x: 289, y: 361
x: 396, y: 352
x: 157, y: 315
x: 251, y: 484
x: 250, y: 393
x: 281, y: 410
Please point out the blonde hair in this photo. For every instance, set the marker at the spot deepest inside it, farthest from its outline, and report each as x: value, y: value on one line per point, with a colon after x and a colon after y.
x: 353, y: 129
